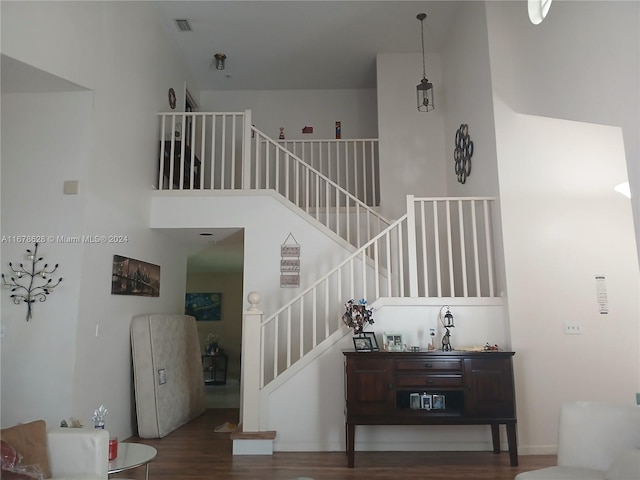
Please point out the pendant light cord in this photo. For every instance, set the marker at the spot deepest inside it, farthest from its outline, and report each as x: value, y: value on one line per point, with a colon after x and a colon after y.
x: 422, y: 16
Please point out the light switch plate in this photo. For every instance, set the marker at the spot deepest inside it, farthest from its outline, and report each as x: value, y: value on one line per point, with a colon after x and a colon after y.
x: 71, y: 187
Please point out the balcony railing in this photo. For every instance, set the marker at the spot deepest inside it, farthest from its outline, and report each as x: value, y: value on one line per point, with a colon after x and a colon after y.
x: 222, y: 151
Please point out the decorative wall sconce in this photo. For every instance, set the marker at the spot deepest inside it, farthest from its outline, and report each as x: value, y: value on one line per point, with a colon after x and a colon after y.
x: 220, y: 59
x: 28, y: 282
x: 424, y: 88
x: 447, y: 323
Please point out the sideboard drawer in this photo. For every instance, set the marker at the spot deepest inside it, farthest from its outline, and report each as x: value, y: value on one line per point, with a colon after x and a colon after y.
x: 428, y: 381
x: 428, y: 365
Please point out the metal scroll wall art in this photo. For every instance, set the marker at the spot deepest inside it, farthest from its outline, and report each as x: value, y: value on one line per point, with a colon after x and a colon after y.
x: 29, y: 282
x: 462, y: 153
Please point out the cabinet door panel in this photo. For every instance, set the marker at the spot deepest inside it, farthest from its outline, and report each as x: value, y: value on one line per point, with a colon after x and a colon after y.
x: 369, y: 387
x: 489, y: 388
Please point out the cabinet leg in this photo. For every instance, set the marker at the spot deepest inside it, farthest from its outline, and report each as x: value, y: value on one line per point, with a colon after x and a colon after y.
x: 513, y: 444
x: 495, y: 437
x: 351, y: 440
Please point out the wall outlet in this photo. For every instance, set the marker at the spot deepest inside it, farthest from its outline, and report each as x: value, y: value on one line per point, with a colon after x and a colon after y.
x: 572, y: 328
x: 162, y: 376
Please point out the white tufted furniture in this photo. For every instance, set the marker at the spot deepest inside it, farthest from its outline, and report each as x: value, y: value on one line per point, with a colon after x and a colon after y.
x: 78, y: 453
x: 595, y: 441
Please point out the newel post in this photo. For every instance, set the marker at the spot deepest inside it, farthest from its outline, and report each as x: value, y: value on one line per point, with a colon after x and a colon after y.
x: 412, y: 254
x: 251, y: 365
x: 246, y: 151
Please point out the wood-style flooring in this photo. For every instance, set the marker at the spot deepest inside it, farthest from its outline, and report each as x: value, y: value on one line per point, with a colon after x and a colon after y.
x: 196, y: 452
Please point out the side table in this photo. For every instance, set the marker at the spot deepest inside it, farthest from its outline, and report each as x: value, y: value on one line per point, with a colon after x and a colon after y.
x: 132, y: 455
x: 216, y: 365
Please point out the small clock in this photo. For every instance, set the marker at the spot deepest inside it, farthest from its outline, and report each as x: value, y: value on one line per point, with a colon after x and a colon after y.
x: 172, y: 98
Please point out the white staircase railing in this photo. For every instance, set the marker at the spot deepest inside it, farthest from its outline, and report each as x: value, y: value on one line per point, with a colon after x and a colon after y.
x: 351, y: 163
x: 442, y: 247
x: 274, y: 167
x: 222, y: 150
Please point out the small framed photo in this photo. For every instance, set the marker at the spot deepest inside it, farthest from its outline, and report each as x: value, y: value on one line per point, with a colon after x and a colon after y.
x: 438, y: 402
x: 427, y: 402
x: 374, y: 341
x: 362, y: 344
x: 394, y: 342
x: 414, y: 401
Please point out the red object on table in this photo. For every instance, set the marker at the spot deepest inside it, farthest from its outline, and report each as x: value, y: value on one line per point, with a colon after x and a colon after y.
x: 113, y: 448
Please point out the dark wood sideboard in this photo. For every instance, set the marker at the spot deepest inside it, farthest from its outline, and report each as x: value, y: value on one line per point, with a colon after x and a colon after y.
x: 478, y: 389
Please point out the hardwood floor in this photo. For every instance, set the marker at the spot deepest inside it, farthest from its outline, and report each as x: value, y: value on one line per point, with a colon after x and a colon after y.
x: 196, y: 452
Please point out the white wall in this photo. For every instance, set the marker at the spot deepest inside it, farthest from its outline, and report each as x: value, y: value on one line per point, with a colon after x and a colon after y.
x: 576, y: 228
x: 559, y: 209
x: 581, y: 63
x: 468, y: 100
x: 96, y: 45
x: 267, y: 222
x: 412, y: 143
x: 31, y: 190
x: 296, y: 109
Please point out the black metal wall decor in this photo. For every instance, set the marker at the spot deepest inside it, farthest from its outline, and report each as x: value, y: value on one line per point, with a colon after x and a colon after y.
x: 462, y: 153
x: 30, y: 283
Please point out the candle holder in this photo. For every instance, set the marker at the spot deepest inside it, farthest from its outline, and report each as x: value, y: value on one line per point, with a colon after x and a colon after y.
x: 447, y: 323
x: 26, y: 281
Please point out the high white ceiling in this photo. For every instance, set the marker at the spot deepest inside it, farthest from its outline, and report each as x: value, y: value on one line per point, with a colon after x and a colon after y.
x: 300, y: 44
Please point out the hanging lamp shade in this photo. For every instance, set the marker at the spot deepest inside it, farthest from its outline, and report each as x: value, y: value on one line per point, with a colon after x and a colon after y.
x: 425, y: 95
x: 424, y: 89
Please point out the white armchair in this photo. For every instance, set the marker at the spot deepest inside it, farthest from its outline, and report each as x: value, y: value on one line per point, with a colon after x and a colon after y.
x: 78, y: 453
x: 595, y: 441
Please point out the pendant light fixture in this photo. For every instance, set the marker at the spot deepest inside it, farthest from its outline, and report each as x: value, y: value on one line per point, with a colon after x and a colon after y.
x: 424, y: 88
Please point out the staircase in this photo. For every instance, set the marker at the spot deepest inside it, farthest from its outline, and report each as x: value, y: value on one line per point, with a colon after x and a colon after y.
x: 441, y: 248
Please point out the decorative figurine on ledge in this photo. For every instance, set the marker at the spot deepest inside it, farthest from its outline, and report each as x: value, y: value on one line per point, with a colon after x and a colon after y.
x: 447, y: 323
x: 432, y: 332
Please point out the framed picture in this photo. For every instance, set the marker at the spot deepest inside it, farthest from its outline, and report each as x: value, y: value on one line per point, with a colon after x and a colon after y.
x: 438, y: 402
x: 203, y: 306
x: 362, y: 344
x: 427, y: 402
x: 134, y: 277
x: 374, y: 341
x: 394, y: 342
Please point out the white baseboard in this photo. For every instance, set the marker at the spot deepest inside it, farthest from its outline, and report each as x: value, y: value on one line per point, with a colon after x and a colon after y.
x: 253, y: 447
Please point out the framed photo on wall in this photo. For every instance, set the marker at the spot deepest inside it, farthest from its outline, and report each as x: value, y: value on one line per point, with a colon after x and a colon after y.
x: 134, y: 277
x: 204, y: 306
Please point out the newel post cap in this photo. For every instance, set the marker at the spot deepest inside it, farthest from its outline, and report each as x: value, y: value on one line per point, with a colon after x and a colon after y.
x: 254, y: 300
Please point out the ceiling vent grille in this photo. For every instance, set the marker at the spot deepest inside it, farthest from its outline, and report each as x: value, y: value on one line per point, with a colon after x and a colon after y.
x: 183, y: 25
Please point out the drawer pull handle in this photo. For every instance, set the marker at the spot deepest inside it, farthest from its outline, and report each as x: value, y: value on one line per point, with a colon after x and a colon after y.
x: 428, y: 365
x: 429, y: 382
x: 390, y: 386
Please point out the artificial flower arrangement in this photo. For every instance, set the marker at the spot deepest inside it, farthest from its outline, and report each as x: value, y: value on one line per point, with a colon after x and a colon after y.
x: 213, y: 343
x: 357, y: 315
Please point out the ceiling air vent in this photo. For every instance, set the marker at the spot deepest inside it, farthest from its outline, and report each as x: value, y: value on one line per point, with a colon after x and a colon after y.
x: 183, y: 25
